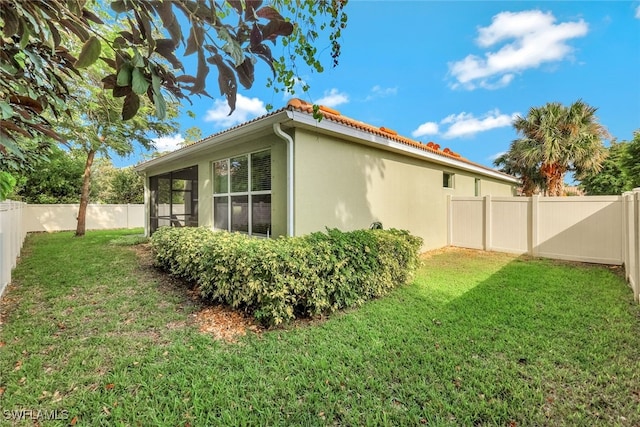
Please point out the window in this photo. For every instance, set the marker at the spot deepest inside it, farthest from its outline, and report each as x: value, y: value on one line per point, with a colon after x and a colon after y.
x: 447, y: 180
x: 242, y: 194
x: 477, y: 187
x: 174, y: 199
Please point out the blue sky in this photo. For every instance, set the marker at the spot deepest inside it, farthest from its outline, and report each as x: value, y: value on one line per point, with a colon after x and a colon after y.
x: 456, y: 73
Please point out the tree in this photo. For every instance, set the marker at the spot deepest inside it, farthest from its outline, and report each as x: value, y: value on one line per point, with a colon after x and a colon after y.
x: 613, y: 177
x: 57, y: 180
x: 558, y: 139
x: 632, y: 161
x: 92, y: 127
x: 37, y: 57
x: 33, y: 151
x: 7, y: 183
x: 620, y: 171
x: 126, y: 186
x: 514, y: 163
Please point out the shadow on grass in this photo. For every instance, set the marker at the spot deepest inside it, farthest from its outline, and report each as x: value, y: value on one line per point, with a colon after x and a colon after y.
x: 477, y: 339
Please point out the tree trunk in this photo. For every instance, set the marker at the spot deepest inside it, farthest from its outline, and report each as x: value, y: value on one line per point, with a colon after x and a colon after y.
x: 84, y: 195
x: 554, y: 175
x: 557, y: 185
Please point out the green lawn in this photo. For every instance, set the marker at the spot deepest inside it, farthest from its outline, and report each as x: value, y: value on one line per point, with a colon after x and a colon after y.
x: 478, y: 339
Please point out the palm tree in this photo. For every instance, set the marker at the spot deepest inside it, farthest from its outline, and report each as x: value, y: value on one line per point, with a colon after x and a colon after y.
x: 557, y: 139
x: 514, y: 163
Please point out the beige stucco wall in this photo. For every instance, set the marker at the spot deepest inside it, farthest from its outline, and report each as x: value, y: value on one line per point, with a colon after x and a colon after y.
x: 349, y: 186
x: 204, y: 160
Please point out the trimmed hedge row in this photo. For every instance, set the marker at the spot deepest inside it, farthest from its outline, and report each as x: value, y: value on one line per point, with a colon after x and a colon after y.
x: 280, y: 279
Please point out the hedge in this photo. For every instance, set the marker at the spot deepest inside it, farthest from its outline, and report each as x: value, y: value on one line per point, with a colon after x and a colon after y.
x: 280, y: 279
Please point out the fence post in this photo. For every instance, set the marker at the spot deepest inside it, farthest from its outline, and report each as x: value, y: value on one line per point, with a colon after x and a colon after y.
x: 534, y: 217
x: 487, y: 222
x: 449, y: 220
x: 626, y: 228
x: 636, y: 242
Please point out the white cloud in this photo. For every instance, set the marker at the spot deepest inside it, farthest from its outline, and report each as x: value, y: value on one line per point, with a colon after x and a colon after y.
x: 532, y: 37
x: 428, y: 128
x: 381, y: 92
x: 168, y: 143
x: 333, y: 98
x: 246, y: 109
x: 638, y: 12
x: 465, y: 124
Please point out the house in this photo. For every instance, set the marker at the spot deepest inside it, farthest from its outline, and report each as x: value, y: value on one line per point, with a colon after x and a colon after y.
x: 287, y: 173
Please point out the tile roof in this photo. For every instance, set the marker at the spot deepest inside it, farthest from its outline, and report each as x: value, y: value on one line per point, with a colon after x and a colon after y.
x: 335, y: 116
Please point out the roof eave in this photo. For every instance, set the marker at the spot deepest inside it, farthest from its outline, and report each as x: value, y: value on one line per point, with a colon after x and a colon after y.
x: 217, y: 139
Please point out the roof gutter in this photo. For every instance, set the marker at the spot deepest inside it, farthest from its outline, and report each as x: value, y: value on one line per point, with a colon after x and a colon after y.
x: 277, y: 129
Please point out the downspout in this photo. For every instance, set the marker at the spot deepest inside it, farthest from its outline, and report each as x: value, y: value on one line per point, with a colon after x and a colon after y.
x: 279, y: 132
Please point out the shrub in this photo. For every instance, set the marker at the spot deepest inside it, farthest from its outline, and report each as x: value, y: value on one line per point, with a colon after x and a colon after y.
x: 279, y: 279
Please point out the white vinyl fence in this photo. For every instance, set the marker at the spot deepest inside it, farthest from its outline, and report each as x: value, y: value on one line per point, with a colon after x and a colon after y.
x: 99, y: 217
x: 596, y: 229
x: 631, y: 221
x: 12, y: 234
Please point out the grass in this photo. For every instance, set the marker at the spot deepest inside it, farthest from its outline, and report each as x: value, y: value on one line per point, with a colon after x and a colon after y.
x: 477, y: 339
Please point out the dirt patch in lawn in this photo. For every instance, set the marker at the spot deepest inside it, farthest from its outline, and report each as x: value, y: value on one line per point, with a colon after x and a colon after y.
x: 222, y: 322
x: 462, y: 252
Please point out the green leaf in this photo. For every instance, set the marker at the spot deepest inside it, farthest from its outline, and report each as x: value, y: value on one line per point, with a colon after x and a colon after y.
x: 232, y: 47
x: 158, y: 99
x: 90, y: 53
x: 161, y: 105
x: 130, y: 106
x: 24, y: 39
x: 8, y: 68
x: 7, y: 182
x: 138, y: 60
x: 139, y: 82
x: 124, y: 75
x: 5, y: 110
x: 8, y: 144
x: 156, y: 82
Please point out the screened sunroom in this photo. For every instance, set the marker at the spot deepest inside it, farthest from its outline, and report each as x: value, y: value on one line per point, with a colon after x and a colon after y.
x: 174, y: 199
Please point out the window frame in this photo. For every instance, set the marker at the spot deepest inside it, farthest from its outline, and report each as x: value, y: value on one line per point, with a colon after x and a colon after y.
x: 229, y: 194
x: 451, y: 181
